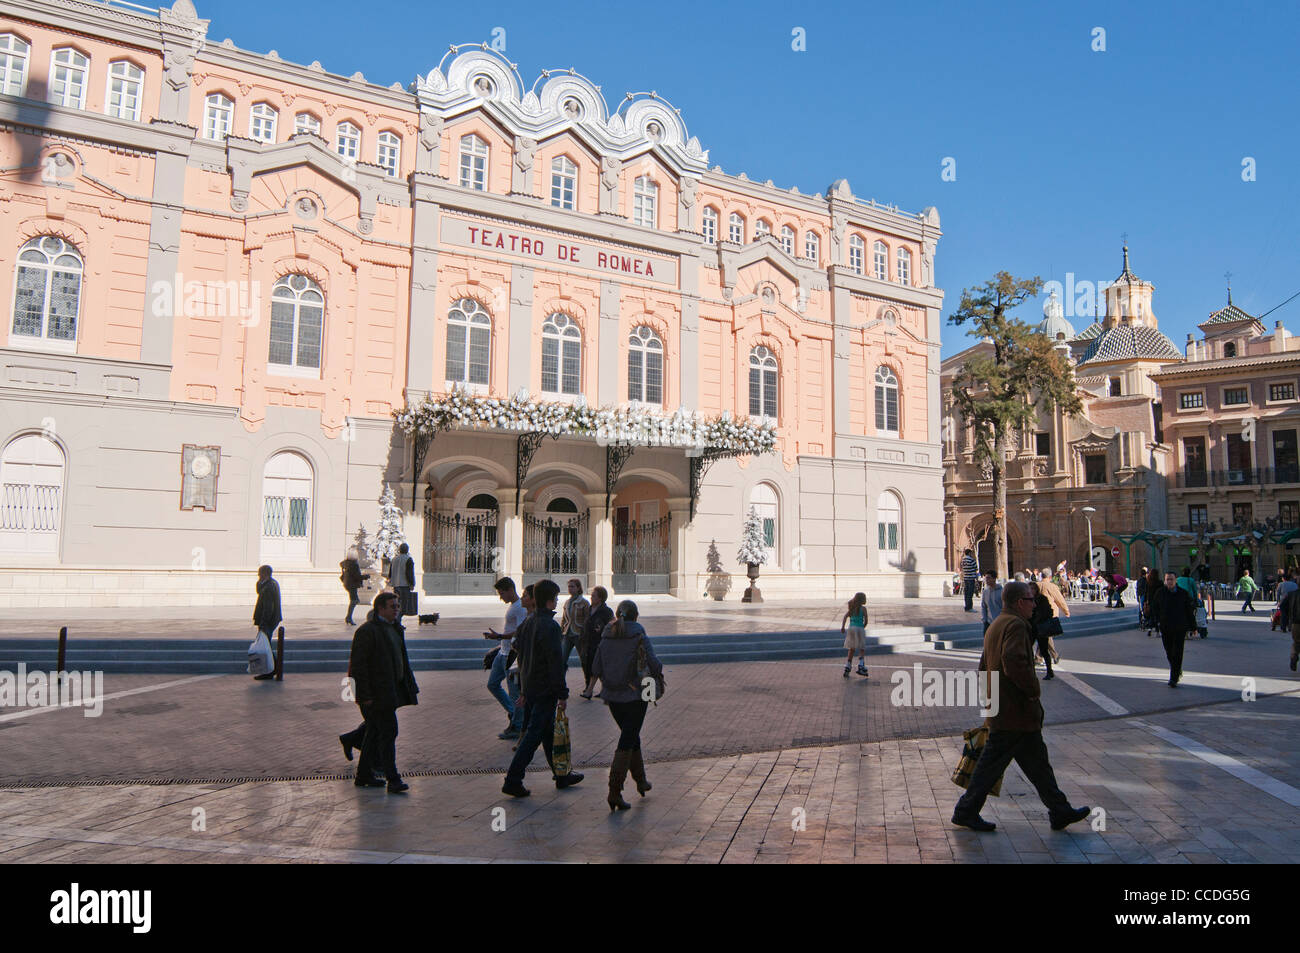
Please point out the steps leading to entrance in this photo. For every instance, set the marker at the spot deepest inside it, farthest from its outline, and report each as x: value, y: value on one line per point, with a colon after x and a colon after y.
x: 228, y: 656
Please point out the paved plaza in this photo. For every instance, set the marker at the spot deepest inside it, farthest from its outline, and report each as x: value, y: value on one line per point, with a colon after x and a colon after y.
x: 751, y: 762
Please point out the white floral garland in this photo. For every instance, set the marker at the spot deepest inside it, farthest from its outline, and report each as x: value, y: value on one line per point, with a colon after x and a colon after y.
x: 627, y: 426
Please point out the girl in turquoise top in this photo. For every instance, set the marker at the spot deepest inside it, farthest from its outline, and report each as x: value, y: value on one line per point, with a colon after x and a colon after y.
x: 856, y: 640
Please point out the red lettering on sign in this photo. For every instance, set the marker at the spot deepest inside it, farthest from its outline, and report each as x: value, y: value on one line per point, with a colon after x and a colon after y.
x: 501, y: 241
x: 472, y: 239
x: 601, y: 259
x: 573, y: 253
x: 649, y: 271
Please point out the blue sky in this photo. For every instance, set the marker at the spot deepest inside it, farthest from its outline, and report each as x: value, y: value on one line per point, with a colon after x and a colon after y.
x: 1059, y: 149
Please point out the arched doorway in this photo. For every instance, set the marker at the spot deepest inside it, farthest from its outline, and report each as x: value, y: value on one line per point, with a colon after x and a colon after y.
x: 641, y: 538
x: 889, y: 531
x: 986, y: 549
x: 31, y: 474
x: 286, y: 509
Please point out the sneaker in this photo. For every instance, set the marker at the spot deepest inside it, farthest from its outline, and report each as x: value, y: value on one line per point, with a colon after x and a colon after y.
x: 975, y: 823
x: 1062, y: 821
x: 568, y: 780
x: 510, y: 734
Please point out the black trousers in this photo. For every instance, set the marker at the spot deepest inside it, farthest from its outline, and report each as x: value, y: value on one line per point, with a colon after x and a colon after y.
x: 1045, y: 650
x: 1027, y: 749
x: 539, y: 729
x: 1174, y: 651
x: 629, y: 716
x: 379, y: 749
x: 587, y: 654
x: 353, y: 600
x: 356, y: 737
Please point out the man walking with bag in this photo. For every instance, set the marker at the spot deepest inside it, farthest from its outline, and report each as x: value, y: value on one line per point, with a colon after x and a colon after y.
x: 1174, y: 613
x: 381, y: 672
x: 1016, y: 727
x: 539, y: 645
x: 266, y: 614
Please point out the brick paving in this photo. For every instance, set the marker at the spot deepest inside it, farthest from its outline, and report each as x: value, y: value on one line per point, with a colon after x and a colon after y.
x: 739, y: 754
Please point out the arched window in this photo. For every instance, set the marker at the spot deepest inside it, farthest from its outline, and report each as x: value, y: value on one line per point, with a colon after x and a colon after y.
x: 469, y: 343
x: 762, y: 227
x: 736, y: 228
x: 297, y: 320
x: 388, y: 153
x: 473, y: 163
x: 857, y: 250
x: 645, y: 202
x: 125, y: 83
x: 286, y: 509
x: 903, y: 267
x: 812, y: 245
x: 306, y: 122
x: 564, y: 183
x: 47, y: 293
x: 886, y: 401
x: 710, y: 225
x: 347, y: 141
x: 561, y: 355
x: 762, y: 382
x: 68, y: 73
x: 14, y: 53
x: 880, y: 261
x: 482, y: 501
x: 763, y: 500
x: 1229, y: 349
x: 645, y: 367
x: 889, y: 530
x: 261, y: 122
x: 31, y: 495
x: 787, y: 239
x: 218, y: 114
x: 561, y: 504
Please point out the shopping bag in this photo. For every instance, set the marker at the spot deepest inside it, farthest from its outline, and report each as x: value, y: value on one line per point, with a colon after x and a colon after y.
x: 260, y: 658
x: 1202, y: 620
x: 560, y: 744
x: 410, y: 602
x: 973, y: 747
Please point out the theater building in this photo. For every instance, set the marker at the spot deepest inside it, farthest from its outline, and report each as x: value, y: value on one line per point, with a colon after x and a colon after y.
x: 246, y: 295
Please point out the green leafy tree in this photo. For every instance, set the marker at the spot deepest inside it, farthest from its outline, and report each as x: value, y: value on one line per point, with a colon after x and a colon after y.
x: 999, y: 393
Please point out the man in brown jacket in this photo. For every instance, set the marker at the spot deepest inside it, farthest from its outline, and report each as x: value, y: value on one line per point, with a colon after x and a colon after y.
x: 1016, y: 730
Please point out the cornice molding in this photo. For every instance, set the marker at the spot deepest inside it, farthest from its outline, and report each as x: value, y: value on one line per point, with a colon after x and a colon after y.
x: 109, y: 131
x: 841, y: 276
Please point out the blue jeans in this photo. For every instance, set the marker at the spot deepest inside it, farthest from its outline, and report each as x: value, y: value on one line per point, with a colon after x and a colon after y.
x: 540, y: 730
x: 968, y: 591
x: 1250, y: 602
x: 495, y: 677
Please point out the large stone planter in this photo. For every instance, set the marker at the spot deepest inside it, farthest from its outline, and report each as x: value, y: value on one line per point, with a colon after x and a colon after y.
x: 752, y: 594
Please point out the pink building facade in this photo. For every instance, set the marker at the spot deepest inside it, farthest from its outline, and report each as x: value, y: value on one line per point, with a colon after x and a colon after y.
x: 227, y: 273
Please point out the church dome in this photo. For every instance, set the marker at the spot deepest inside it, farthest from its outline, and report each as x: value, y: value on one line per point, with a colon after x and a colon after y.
x: 1054, y: 322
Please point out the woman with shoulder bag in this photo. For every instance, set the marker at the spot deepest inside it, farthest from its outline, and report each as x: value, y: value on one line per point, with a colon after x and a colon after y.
x: 1043, y: 624
x: 631, y: 676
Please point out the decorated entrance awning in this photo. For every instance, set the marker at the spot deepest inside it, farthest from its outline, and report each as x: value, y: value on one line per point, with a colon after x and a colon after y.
x: 618, y: 429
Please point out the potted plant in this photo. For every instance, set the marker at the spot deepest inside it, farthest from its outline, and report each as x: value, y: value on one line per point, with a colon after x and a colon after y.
x: 753, y: 553
x: 719, y: 583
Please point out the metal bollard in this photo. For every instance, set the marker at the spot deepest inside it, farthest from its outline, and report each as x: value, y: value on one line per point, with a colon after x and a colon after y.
x: 279, y: 655
x: 63, y: 657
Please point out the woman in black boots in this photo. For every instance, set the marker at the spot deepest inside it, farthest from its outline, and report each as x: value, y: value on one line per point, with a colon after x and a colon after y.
x: 630, y: 678
x: 1041, y: 628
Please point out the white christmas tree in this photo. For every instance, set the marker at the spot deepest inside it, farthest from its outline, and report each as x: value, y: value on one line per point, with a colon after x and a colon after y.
x: 390, y: 535
x: 362, y: 544
x: 753, y: 547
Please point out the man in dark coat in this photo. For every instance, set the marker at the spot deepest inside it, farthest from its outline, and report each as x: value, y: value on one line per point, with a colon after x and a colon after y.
x: 266, y: 614
x: 539, y: 644
x: 599, y: 616
x: 381, y: 673
x: 401, y: 576
x: 1016, y: 725
x: 1174, y: 613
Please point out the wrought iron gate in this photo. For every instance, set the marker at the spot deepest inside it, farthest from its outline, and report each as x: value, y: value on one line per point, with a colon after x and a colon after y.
x: 556, y: 546
x: 460, y: 552
x: 641, y: 556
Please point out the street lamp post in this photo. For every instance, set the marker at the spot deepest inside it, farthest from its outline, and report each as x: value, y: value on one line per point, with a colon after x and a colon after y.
x: 1088, y: 511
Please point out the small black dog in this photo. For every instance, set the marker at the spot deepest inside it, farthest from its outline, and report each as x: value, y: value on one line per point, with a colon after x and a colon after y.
x: 430, y: 619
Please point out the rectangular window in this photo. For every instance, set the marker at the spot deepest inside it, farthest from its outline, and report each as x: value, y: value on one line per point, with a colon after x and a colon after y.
x: 124, y: 83
x: 13, y: 64
x: 769, y: 532
x: 1191, y: 401
x: 1043, y: 444
x: 68, y: 71
x: 1284, y: 391
x: 1235, y: 396
x: 710, y: 229
x: 1239, y: 459
x: 1288, y: 514
x: 1115, y: 387
x: 1243, y: 514
x: 1197, y: 514
x: 390, y: 152
x: 1095, y: 468
x: 1286, y: 463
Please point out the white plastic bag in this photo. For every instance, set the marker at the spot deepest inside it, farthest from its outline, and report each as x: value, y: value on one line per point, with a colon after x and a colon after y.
x: 1202, y: 621
x: 260, y: 658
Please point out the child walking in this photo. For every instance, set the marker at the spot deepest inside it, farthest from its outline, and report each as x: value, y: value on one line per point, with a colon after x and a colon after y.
x: 856, y: 640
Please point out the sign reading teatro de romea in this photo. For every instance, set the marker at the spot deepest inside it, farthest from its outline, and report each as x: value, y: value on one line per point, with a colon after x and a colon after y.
x: 559, y: 250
